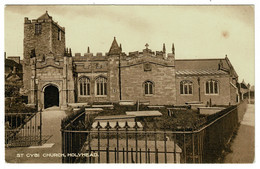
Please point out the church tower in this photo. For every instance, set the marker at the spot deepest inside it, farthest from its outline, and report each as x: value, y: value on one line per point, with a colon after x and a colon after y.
x: 44, y: 35
x: 42, y: 38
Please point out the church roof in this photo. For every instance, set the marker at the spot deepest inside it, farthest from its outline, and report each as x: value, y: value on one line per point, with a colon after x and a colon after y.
x: 204, y: 66
x: 199, y: 64
x: 201, y: 72
x: 9, y: 64
x: 114, y: 49
x: 45, y: 16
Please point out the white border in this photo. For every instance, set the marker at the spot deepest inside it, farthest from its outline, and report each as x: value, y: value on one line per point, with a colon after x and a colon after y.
x: 165, y: 2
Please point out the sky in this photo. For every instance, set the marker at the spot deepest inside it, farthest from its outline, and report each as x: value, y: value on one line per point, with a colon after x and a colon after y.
x: 197, y: 31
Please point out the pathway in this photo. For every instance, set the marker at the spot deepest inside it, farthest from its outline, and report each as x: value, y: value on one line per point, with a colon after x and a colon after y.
x: 51, y: 119
x: 243, y: 146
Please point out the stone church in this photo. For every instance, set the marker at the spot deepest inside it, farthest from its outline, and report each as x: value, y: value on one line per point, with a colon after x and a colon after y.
x: 52, y: 76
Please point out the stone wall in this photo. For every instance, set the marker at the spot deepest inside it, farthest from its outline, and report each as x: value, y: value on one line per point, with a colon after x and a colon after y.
x: 58, y: 74
x: 223, y: 98
x: 92, y: 97
x: 41, y: 44
x: 163, y: 78
x: 58, y: 46
x: 233, y: 94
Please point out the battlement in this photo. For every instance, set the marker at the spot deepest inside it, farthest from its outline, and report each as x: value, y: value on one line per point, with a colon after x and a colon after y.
x: 148, y: 52
x: 89, y: 56
x: 99, y: 54
x: 157, y: 54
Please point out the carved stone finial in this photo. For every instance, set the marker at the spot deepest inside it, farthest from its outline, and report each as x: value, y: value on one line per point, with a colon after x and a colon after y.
x: 146, y: 45
x: 70, y: 54
x: 173, y: 48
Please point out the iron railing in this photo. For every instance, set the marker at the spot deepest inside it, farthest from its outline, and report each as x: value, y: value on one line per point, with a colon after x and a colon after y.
x: 120, y: 145
x: 23, y: 129
x: 139, y: 144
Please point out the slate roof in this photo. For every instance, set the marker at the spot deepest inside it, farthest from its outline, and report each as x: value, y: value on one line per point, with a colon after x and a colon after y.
x: 201, y: 72
x: 45, y: 16
x: 220, y: 66
x: 199, y: 64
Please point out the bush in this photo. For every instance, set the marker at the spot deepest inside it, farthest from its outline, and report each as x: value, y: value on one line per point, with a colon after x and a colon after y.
x: 14, y: 102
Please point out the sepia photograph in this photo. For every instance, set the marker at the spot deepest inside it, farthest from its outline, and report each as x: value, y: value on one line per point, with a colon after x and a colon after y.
x: 141, y: 84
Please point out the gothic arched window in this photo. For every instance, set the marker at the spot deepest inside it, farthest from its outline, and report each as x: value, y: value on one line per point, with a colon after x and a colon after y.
x: 84, y: 86
x: 212, y: 87
x: 101, y: 86
x: 186, y: 87
x: 148, y: 88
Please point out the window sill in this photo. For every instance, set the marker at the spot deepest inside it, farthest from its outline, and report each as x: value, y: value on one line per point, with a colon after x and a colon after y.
x: 148, y: 95
x: 212, y: 94
x: 186, y: 94
x: 84, y: 96
x: 100, y: 95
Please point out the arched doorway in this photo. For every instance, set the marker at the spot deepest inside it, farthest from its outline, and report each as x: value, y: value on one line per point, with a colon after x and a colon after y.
x: 51, y: 96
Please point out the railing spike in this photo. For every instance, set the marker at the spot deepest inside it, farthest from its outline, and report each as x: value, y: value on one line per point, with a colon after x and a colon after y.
x: 117, y: 126
x: 136, y: 126
x: 108, y: 126
x: 98, y: 125
x: 126, y: 125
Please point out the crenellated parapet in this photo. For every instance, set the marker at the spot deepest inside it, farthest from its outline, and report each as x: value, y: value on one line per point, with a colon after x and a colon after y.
x: 148, y: 52
x: 147, y: 59
x: 90, y: 63
x: 90, y: 57
x: 147, y: 55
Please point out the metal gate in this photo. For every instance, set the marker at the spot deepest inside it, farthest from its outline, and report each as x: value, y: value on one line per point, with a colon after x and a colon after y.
x: 23, y: 129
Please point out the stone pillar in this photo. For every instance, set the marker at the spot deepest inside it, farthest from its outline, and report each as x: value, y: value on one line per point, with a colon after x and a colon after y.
x: 32, y: 98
